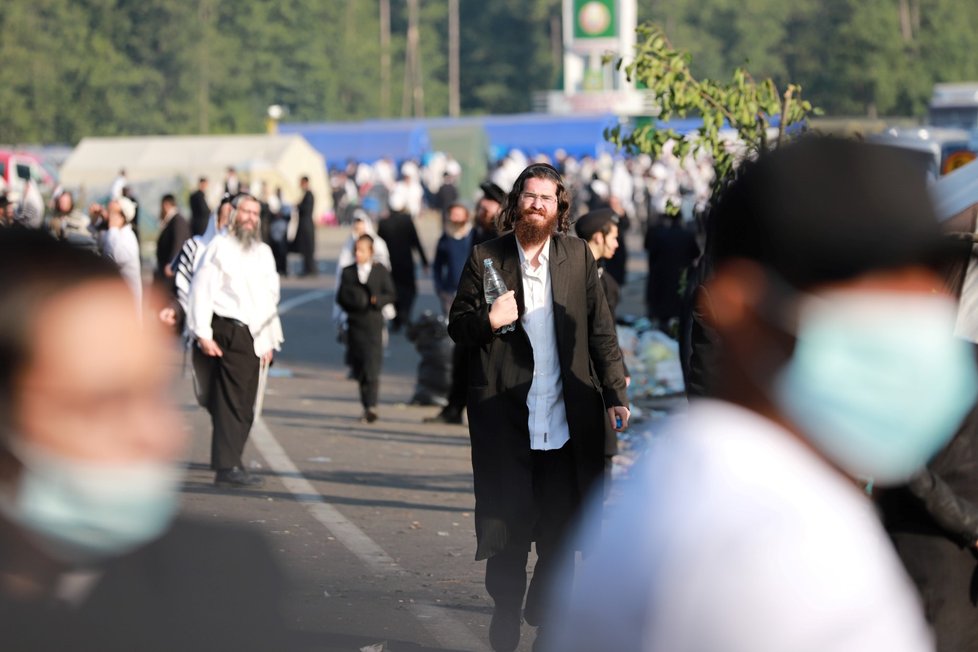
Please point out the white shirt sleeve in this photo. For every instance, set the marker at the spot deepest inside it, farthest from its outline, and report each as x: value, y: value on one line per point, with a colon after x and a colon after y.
x: 203, y: 288
x: 269, y: 335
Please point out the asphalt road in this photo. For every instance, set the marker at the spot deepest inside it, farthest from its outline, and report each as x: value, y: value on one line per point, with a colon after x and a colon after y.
x: 372, y: 523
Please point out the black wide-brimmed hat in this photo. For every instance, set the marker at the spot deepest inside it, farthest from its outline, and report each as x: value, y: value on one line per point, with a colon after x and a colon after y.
x: 826, y: 209
x: 590, y: 223
x: 493, y: 192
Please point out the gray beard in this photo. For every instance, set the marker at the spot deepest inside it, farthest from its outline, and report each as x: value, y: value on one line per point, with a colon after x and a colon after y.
x: 246, y: 237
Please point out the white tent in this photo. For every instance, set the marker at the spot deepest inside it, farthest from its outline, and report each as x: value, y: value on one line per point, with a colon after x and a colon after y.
x: 176, y: 162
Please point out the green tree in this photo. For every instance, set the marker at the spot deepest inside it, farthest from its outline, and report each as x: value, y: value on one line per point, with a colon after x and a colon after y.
x: 505, y: 53
x: 743, y: 104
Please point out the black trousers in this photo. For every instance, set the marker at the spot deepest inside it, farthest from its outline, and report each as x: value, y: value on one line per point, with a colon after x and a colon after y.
x: 555, y: 499
x: 458, y: 393
x: 366, y: 355
x: 280, y: 251
x: 406, y: 292
x: 307, y: 246
x: 233, y: 386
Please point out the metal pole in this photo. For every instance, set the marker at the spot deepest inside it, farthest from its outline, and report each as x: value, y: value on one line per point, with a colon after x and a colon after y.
x: 414, y: 45
x: 454, y: 108
x: 385, y: 58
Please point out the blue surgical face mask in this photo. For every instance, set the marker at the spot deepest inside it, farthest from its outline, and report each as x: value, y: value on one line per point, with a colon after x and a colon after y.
x: 877, y: 382
x: 81, y: 512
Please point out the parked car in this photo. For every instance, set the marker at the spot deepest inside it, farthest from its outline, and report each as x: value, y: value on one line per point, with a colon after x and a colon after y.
x: 16, y: 167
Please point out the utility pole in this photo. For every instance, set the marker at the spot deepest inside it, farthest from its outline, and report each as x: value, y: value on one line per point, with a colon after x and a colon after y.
x: 385, y: 58
x: 413, y: 80
x: 203, y: 83
x: 454, y: 102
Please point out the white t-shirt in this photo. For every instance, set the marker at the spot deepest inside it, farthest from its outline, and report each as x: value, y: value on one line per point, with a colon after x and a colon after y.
x: 734, y: 537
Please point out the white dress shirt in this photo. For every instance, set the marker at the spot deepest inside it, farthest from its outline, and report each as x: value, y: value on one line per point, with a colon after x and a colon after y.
x: 240, y: 284
x: 120, y: 245
x: 731, y: 534
x: 548, y: 414
x: 363, y: 272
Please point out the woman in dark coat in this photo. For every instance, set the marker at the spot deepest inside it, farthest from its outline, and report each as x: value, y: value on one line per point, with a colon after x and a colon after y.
x: 365, y: 288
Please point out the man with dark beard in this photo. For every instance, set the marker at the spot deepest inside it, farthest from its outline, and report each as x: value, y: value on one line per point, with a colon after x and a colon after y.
x: 539, y: 394
x: 233, y: 314
x: 486, y: 211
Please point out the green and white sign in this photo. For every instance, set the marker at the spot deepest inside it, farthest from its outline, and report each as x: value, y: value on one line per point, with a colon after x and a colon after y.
x: 595, y: 19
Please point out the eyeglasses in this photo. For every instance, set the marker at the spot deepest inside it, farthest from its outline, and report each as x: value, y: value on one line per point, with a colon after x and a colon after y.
x: 531, y: 197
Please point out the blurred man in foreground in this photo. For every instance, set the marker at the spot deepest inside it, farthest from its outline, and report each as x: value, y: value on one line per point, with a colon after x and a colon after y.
x: 747, y: 529
x: 92, y: 554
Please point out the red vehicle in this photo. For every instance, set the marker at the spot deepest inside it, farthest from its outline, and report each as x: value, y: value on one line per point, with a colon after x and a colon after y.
x: 15, y: 167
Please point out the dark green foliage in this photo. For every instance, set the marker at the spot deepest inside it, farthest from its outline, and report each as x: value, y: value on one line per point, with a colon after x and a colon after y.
x: 73, y: 68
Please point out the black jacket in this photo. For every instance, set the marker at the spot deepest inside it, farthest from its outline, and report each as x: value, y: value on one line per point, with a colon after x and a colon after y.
x: 401, y: 236
x: 168, y: 246
x: 933, y: 522
x: 501, y: 371
x: 200, y: 587
x: 363, y: 303
x: 200, y: 212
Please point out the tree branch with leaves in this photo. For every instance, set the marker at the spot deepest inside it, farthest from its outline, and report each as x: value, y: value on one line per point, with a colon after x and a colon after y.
x: 747, y: 107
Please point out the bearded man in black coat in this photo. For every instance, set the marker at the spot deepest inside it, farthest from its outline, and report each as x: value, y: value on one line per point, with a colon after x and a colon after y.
x: 539, y: 395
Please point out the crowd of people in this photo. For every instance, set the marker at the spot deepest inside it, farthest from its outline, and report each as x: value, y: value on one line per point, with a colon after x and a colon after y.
x: 215, y: 284
x: 750, y: 523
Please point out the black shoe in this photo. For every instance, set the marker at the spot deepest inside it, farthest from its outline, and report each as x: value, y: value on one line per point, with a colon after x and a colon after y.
x: 532, y: 615
x: 445, y: 416
x: 369, y: 416
x: 504, y: 629
x: 236, y: 477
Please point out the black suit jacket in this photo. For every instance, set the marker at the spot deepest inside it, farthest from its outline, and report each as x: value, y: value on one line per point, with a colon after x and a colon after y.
x: 200, y: 212
x: 401, y: 236
x: 200, y: 587
x: 501, y: 371
x: 366, y: 323
x: 168, y: 246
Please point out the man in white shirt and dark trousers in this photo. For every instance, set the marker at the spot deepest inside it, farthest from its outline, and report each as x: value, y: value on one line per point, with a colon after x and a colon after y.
x: 234, y: 318
x: 539, y: 395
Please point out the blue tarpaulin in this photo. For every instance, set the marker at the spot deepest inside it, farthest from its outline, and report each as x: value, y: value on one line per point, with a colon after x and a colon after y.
x: 366, y: 141
x: 536, y: 133
x: 531, y: 133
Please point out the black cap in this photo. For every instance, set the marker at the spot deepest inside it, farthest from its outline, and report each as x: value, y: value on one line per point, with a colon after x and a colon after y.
x: 493, y: 192
x: 825, y: 209
x: 590, y: 223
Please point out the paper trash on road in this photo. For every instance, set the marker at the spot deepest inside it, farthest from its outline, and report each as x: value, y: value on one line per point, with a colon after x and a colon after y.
x: 652, y: 358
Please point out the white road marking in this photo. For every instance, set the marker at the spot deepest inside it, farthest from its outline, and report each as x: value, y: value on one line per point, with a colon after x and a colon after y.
x: 450, y: 632
x: 305, y: 297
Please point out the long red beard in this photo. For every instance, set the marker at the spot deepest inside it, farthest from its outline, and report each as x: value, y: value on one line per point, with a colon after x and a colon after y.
x: 534, y: 233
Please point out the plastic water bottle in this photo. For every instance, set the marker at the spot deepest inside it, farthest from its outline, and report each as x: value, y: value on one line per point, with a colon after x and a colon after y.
x: 494, y: 288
